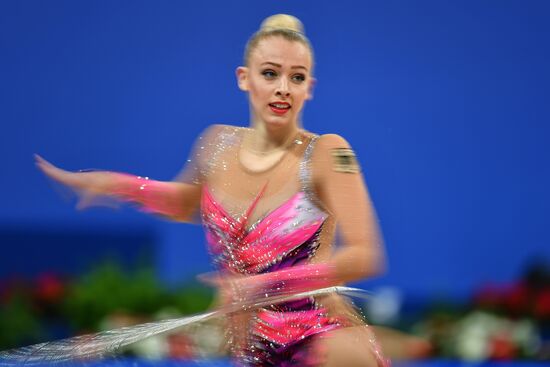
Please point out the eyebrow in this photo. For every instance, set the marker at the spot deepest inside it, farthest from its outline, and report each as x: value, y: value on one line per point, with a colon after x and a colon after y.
x: 279, y: 65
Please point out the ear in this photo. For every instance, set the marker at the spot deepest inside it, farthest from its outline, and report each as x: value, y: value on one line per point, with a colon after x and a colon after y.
x: 312, y: 83
x: 242, y: 78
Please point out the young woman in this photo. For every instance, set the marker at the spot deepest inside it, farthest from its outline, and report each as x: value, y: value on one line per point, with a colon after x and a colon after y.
x: 271, y: 197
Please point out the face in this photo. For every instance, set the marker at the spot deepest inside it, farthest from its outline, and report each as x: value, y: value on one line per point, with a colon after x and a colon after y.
x: 278, y: 81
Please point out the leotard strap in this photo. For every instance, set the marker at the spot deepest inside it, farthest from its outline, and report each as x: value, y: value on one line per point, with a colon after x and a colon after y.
x: 305, y: 170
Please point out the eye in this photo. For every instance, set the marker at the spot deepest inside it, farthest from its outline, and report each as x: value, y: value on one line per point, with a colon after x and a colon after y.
x: 298, y: 78
x: 269, y: 74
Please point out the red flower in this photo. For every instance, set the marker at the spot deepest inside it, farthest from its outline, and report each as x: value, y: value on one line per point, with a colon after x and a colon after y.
x: 517, y: 298
x: 49, y: 288
x: 502, y: 347
x: 180, y: 346
x: 542, y: 304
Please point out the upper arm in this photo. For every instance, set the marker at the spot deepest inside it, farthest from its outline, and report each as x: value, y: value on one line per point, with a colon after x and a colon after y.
x: 341, y: 188
x: 202, y: 153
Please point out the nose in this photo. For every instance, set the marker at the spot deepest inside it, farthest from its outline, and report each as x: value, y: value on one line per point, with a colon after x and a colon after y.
x: 282, y: 89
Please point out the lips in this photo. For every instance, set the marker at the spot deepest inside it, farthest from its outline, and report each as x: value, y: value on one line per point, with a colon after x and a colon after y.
x: 279, y: 108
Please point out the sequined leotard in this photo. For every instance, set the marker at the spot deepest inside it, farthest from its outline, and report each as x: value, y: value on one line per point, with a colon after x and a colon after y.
x: 283, y: 237
x: 287, y: 236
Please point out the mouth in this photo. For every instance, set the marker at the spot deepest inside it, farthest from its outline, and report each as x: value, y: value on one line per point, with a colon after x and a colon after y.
x: 280, y: 108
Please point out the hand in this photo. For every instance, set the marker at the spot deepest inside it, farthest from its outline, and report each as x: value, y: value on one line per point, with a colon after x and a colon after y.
x: 57, y: 174
x: 88, y: 185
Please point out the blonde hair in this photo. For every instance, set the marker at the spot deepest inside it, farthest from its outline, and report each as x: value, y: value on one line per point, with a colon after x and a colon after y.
x: 282, y: 25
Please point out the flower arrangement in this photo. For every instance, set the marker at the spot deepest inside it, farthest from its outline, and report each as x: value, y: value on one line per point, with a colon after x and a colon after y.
x: 505, y: 322
x: 53, y: 307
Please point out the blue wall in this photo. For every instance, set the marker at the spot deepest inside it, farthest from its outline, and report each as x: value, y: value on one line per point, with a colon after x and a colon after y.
x: 445, y: 102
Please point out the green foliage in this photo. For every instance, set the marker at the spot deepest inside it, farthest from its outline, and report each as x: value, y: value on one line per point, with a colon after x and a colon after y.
x: 18, y: 322
x: 105, y: 290
x: 108, y: 289
x: 192, y: 299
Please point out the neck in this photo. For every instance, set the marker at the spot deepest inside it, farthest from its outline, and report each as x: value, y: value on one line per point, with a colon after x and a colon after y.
x: 266, y: 140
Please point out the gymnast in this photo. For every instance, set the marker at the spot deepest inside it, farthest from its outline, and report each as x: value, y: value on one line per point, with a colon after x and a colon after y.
x: 271, y: 198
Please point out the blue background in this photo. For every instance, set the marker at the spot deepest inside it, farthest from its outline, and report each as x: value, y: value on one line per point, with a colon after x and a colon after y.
x: 445, y: 103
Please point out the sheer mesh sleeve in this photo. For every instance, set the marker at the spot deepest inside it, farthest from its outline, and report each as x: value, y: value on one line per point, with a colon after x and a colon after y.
x: 340, y: 187
x: 203, y: 158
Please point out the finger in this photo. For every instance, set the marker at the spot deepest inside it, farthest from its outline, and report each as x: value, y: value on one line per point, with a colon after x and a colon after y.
x: 41, y: 162
x: 43, y: 165
x: 48, y: 169
x: 54, y: 172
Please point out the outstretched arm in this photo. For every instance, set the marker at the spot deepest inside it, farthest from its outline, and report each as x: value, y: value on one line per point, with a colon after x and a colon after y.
x: 175, y: 200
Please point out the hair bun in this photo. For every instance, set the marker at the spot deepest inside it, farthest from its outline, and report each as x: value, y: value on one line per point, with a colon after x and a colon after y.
x: 282, y: 21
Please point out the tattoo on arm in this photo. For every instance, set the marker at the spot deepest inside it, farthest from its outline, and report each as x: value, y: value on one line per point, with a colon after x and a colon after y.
x: 344, y: 160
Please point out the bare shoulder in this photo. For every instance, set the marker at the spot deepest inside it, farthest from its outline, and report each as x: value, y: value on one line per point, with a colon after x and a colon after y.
x: 331, y: 141
x: 215, y: 129
x: 327, y: 143
x: 223, y: 129
x: 215, y: 133
x: 334, y: 154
